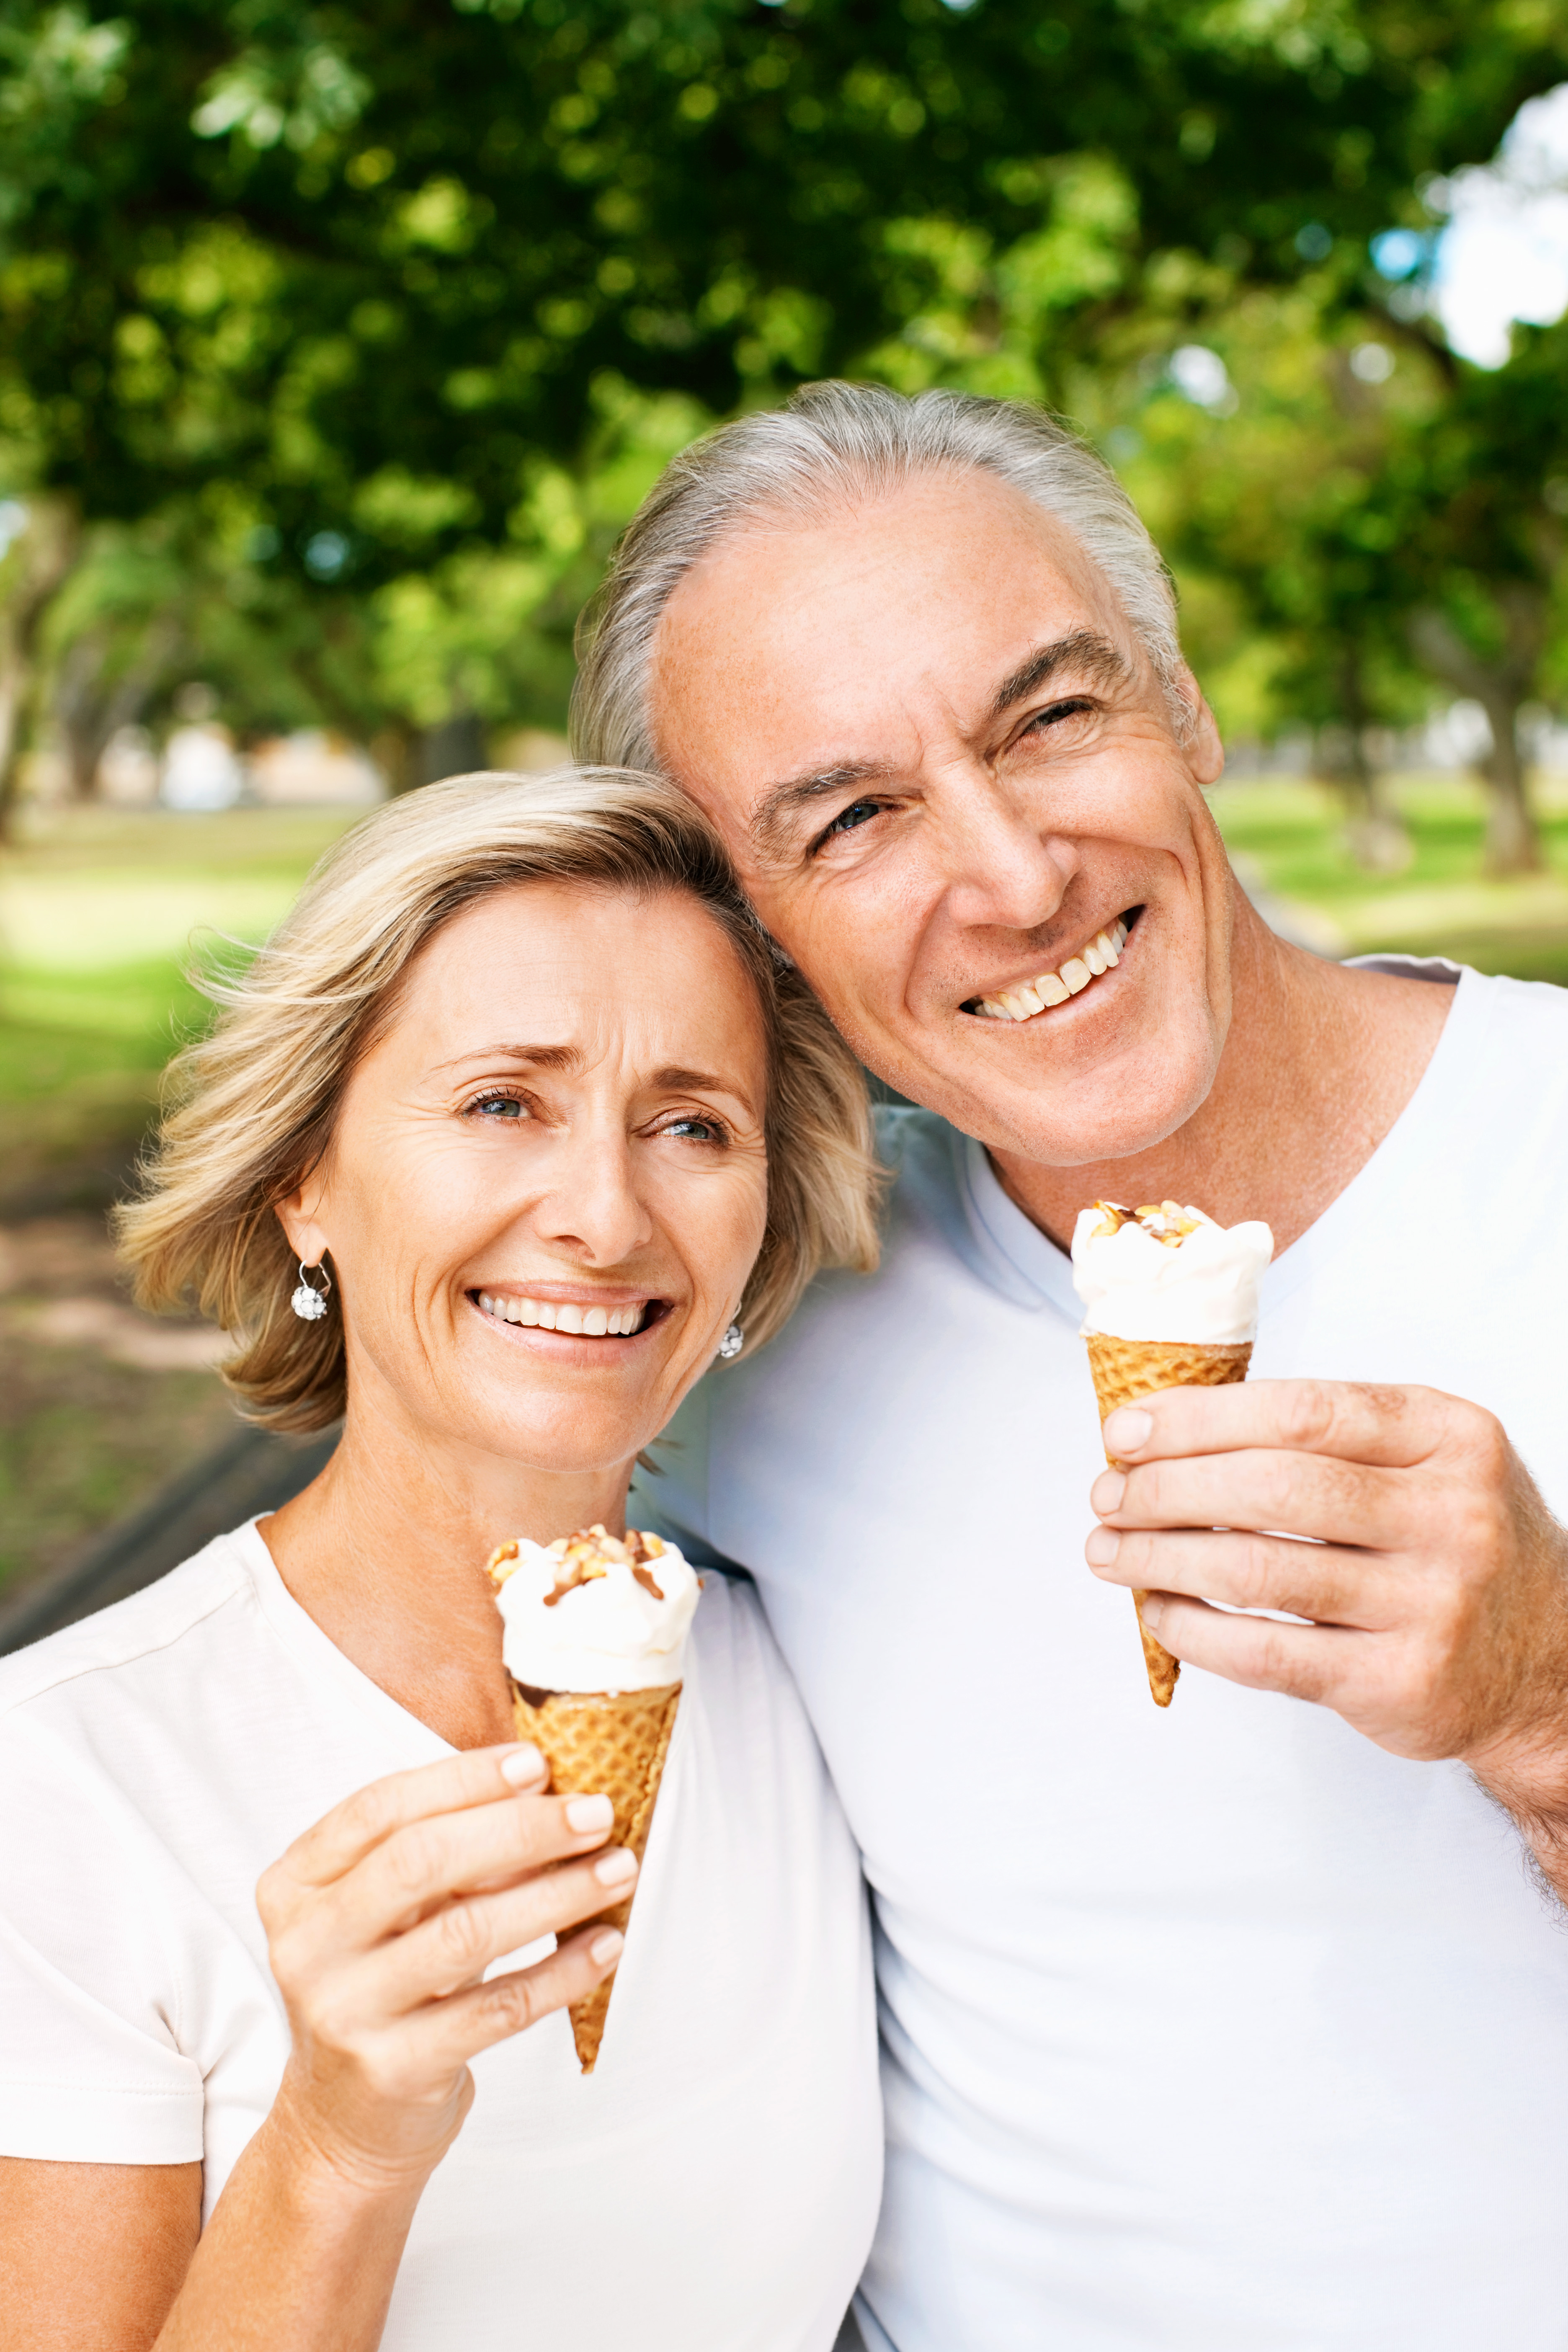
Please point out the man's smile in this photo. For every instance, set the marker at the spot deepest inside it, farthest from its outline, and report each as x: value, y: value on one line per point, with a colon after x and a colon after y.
x: 1071, y: 977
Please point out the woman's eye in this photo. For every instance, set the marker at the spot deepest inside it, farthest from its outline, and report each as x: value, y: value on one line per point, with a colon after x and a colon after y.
x: 494, y: 1107
x: 693, y: 1130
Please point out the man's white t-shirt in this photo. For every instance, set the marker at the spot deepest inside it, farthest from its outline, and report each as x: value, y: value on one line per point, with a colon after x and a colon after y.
x: 710, y: 2187
x: 1213, y: 2031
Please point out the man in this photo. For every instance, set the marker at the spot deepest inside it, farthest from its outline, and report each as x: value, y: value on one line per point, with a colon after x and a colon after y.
x: 1244, y: 2025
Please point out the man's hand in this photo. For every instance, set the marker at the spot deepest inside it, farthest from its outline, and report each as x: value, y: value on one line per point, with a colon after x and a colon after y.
x: 1401, y: 1524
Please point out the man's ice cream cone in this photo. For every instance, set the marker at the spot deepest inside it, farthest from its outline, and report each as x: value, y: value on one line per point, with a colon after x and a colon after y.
x: 1125, y: 1370
x: 1173, y: 1302
x: 596, y: 1636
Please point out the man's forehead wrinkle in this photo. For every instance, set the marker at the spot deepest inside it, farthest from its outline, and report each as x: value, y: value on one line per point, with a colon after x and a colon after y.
x: 1084, y: 651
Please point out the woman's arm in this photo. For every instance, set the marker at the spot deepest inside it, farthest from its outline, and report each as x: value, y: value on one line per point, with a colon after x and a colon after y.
x: 91, y: 2255
x: 381, y: 1922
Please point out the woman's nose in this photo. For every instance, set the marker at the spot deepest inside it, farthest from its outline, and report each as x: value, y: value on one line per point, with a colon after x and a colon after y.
x: 591, y: 1204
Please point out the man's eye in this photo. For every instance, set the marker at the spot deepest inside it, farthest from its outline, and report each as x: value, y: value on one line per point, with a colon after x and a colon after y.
x: 850, y: 820
x: 493, y: 1107
x: 1055, y: 713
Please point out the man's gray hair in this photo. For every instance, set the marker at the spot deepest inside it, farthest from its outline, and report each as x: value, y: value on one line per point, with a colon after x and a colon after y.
x: 833, y: 443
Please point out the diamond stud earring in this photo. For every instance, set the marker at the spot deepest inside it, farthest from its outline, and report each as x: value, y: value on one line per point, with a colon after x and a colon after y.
x: 732, y: 1342
x: 309, y: 1304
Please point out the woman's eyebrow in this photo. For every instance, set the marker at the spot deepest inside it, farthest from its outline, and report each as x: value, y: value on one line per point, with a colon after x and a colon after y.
x: 544, y: 1058
x: 675, y: 1080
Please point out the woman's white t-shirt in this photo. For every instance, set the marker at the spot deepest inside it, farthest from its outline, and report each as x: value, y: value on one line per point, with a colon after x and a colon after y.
x: 711, y: 2187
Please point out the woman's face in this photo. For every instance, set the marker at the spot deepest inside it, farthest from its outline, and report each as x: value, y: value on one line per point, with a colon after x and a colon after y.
x: 563, y: 1125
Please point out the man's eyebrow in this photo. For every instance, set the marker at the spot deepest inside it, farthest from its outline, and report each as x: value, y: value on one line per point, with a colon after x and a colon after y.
x: 770, y: 825
x: 1090, y: 656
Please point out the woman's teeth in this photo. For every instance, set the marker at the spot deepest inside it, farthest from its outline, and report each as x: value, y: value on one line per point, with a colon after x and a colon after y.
x: 1055, y: 987
x: 565, y: 1314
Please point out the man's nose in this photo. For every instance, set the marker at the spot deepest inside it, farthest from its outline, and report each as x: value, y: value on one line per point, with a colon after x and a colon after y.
x: 591, y: 1205
x: 1002, y: 865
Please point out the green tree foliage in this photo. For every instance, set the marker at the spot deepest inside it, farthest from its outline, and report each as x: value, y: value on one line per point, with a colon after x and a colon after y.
x: 378, y: 319
x: 366, y: 261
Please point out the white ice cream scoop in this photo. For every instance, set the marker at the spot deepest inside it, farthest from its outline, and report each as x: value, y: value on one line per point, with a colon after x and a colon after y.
x: 589, y: 1613
x: 1168, y: 1273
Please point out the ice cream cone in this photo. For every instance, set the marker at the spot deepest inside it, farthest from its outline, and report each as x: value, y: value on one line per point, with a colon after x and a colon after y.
x: 612, y: 1744
x: 1126, y: 1369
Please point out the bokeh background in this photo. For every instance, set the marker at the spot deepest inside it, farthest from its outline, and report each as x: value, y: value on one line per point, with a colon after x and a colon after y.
x: 337, y: 343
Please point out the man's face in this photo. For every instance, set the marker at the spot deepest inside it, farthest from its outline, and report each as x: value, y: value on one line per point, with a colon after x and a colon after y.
x: 944, y: 767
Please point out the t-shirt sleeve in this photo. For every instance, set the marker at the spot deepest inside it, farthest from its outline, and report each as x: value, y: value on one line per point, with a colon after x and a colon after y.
x: 90, y: 2068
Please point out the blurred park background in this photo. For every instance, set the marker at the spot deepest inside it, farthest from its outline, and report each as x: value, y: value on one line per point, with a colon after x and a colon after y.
x: 337, y: 344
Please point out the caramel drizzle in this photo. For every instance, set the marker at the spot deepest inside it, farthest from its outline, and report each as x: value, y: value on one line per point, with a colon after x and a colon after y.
x: 1164, y: 1220
x: 585, y: 1556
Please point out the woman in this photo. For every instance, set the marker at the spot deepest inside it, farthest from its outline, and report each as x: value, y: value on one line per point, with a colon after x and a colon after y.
x: 519, y: 1042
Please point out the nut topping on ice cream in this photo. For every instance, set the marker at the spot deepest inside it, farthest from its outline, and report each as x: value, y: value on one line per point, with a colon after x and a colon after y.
x: 589, y: 1613
x: 1168, y: 1273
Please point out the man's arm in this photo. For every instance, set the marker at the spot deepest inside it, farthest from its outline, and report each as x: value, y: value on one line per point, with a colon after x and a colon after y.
x: 1401, y: 1525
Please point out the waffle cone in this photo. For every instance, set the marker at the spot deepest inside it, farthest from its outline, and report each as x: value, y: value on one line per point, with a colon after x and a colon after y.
x: 611, y: 1744
x: 1126, y: 1369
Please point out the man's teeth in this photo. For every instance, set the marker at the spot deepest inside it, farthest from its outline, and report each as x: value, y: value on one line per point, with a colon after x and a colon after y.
x: 1055, y: 987
x: 565, y: 1314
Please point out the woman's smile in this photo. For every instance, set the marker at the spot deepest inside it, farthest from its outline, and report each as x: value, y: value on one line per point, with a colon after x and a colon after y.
x: 585, y: 1315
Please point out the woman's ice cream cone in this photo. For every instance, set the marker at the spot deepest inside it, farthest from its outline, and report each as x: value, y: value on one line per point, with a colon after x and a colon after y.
x: 1173, y: 1302
x: 595, y: 1685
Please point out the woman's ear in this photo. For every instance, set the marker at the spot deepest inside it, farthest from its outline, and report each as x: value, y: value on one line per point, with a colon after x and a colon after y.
x: 299, y: 1214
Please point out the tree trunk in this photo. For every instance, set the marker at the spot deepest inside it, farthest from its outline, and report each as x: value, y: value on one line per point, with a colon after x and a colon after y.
x: 1502, y: 688
x: 455, y: 746
x: 1374, y: 829
x: 1512, y: 836
x: 47, y: 550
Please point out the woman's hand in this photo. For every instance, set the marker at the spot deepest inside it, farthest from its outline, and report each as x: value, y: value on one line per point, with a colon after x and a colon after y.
x: 381, y: 1921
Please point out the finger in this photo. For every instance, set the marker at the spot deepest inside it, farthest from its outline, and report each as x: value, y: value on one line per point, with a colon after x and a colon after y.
x: 1325, y: 1583
x: 1292, y: 1494
x: 456, y: 1945
x: 452, y: 2031
x: 479, y: 1776
x: 1308, y: 1662
x: 1356, y: 1421
x: 455, y: 1853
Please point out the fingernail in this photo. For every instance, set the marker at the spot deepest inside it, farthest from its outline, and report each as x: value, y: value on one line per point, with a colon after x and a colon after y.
x: 523, y: 1765
x: 1153, y: 1611
x: 1101, y: 1547
x: 1107, y: 1492
x: 607, y: 1946
x: 612, y: 1869
x: 590, y: 1813
x: 1127, y: 1431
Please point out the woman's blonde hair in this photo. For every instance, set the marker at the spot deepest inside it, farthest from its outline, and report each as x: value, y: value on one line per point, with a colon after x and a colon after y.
x: 255, y: 1100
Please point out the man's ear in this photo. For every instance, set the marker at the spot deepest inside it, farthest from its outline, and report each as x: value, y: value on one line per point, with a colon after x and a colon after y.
x: 1204, y: 750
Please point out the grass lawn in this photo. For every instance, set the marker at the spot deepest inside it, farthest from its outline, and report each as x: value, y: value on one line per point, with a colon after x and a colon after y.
x: 1290, y: 836
x: 99, y: 912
